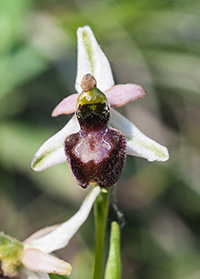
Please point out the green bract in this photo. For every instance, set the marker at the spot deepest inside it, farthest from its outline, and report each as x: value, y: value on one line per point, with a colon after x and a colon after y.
x: 113, y: 266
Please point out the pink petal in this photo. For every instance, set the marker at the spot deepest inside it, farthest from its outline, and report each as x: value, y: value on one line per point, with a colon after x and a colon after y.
x: 66, y: 106
x: 39, y: 261
x: 122, y: 94
x: 118, y: 96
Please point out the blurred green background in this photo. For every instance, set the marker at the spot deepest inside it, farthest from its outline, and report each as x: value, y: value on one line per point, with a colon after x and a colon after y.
x: 154, y: 43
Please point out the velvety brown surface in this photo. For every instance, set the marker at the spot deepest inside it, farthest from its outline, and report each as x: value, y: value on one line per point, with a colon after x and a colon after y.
x: 96, y: 157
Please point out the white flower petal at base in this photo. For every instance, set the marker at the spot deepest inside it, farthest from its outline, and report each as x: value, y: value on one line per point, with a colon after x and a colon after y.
x: 28, y: 274
x: 31, y: 258
x: 60, y: 237
x: 137, y: 144
x: 39, y: 261
x: 40, y: 233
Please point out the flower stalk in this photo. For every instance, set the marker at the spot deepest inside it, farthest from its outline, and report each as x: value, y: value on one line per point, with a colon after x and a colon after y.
x: 100, y: 214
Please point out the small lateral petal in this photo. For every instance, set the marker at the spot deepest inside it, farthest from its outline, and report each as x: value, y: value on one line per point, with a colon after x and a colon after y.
x: 118, y: 96
x: 60, y: 237
x: 137, y: 144
x: 122, y: 94
x: 39, y: 261
x: 66, y: 106
x: 52, y: 151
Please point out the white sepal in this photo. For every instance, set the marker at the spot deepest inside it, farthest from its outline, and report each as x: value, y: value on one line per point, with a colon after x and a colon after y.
x: 60, y: 237
x: 38, y: 261
x: 40, y: 233
x: 92, y: 60
x: 52, y: 151
x: 137, y: 144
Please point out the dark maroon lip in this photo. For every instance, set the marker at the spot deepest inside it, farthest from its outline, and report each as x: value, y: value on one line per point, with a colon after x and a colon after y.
x: 96, y: 154
x: 96, y: 157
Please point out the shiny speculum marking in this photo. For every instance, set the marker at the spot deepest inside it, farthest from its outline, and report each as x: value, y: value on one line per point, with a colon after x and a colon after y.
x: 96, y: 153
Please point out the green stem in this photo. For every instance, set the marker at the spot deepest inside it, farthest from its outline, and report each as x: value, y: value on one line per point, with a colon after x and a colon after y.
x: 100, y: 214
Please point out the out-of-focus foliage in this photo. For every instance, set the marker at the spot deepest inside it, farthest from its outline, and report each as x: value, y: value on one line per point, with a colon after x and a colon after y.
x: 150, y: 42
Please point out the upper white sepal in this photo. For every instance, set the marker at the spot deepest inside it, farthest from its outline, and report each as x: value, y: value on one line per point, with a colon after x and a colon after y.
x: 92, y: 60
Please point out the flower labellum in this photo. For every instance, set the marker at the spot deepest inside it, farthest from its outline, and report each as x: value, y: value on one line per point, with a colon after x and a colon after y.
x: 96, y: 153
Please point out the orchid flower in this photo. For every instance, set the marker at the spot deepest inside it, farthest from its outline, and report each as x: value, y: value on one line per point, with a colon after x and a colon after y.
x: 31, y: 258
x: 96, y: 139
